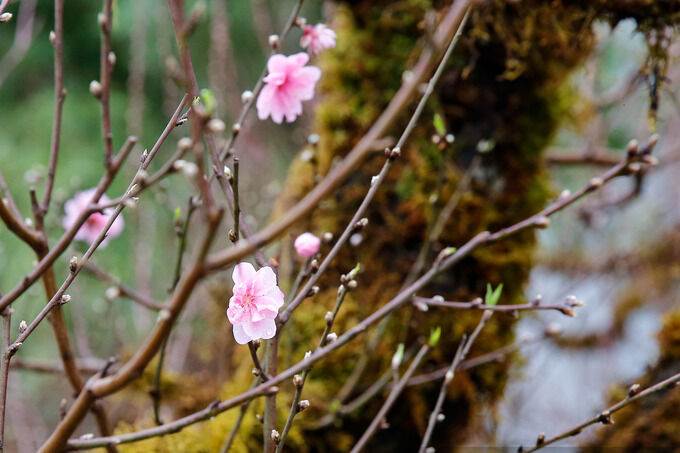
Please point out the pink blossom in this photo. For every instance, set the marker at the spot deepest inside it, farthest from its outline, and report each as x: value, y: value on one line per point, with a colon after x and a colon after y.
x: 288, y: 83
x: 96, y: 222
x: 307, y: 245
x: 317, y: 38
x: 255, y: 303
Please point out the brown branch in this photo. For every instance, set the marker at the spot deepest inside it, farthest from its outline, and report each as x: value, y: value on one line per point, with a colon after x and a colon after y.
x: 59, y: 96
x: 4, y: 372
x: 478, y: 304
x: 106, y: 61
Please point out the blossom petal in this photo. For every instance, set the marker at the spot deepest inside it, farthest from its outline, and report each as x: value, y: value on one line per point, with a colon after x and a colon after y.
x: 264, y: 279
x: 264, y: 329
x: 243, y: 272
x: 264, y: 101
x: 277, y: 63
x: 240, y: 335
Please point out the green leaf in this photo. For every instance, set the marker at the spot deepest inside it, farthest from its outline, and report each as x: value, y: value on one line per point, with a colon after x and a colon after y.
x: 438, y: 123
x: 178, y: 213
x: 398, y: 356
x: 435, y: 334
x: 492, y: 295
x: 208, y: 100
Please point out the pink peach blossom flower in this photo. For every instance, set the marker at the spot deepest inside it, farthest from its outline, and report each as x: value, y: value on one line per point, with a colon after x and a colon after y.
x: 317, y: 38
x: 95, y: 223
x: 288, y: 83
x: 255, y: 303
x: 307, y: 245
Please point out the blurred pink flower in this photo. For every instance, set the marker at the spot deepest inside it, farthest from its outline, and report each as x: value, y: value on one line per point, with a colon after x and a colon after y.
x: 317, y: 38
x: 288, y: 83
x: 95, y: 223
x: 255, y: 303
x: 307, y: 245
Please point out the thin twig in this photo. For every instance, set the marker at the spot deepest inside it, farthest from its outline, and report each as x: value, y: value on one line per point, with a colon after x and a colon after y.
x: 461, y: 353
x: 604, y: 417
x: 394, y: 394
x: 4, y: 372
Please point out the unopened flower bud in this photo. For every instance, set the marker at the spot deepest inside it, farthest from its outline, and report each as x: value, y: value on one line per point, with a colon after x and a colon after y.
x: 328, y: 318
x: 111, y: 57
x: 246, y: 96
x: 302, y: 405
x: 101, y: 19
x: 313, y: 139
x: 633, y: 147
x: 276, y: 437
x: 633, y: 390
x: 331, y: 337
x: 448, y: 377
x: 23, y: 326
x: 352, y: 284
x: 73, y: 264
x: 553, y: 329
x: 112, y: 293
x: 5, y: 17
x: 53, y: 37
x: 185, y: 143
x: 190, y: 170
x: 308, y: 354
x: 236, y: 128
x: 65, y: 298
x: 595, y: 183
x: 429, y: 450
x: 542, y: 222
x: 297, y: 381
x: 216, y: 126
x: 422, y: 306
x: 540, y: 439
x: 313, y: 291
x: 274, y: 41
x: 361, y: 223
x: 327, y: 237
x: 441, y: 417
x: 565, y: 193
x: 96, y: 89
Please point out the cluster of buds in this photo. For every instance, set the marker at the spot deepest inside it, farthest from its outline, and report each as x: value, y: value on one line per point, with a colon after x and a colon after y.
x: 392, y: 153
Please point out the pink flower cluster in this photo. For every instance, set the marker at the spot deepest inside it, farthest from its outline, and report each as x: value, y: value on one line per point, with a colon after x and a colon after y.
x: 307, y: 245
x: 255, y: 303
x: 317, y: 38
x: 288, y: 83
x: 95, y: 223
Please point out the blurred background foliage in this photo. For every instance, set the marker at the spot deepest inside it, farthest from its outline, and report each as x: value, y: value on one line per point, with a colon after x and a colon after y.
x: 603, y: 255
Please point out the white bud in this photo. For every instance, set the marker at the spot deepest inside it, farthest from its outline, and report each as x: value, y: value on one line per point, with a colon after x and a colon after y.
x: 355, y: 239
x: 302, y: 405
x: 73, y: 264
x: 190, y: 170
x: 179, y: 164
x: 374, y: 179
x: 96, y: 89
x: 331, y: 337
x: 297, y: 381
x: 112, y: 293
x: 308, y: 354
x: 327, y: 236
x: 440, y: 417
x: 307, y: 155
x: 66, y: 298
x: 111, y: 58
x: 274, y: 41
x: 216, y: 126
x: 29, y: 222
x: 185, y: 143
x: 5, y: 17
x: 595, y: 183
x: 422, y: 306
x: 450, y: 138
x: 565, y: 193
x: 329, y: 317
x: 429, y: 450
x: 276, y: 437
x: 246, y: 96
x: 87, y: 436
x: 448, y: 377
x: 53, y: 37
x: 101, y: 19
x: 313, y: 139
x: 23, y: 326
